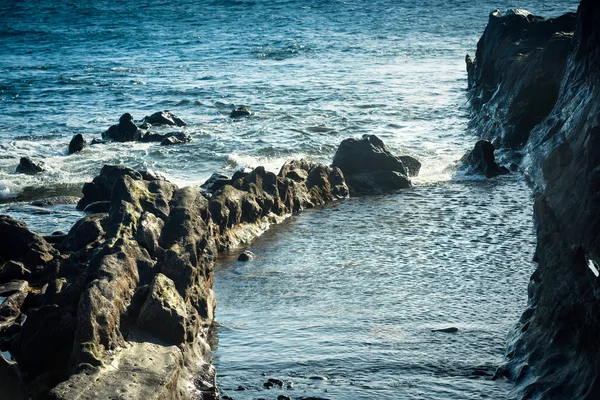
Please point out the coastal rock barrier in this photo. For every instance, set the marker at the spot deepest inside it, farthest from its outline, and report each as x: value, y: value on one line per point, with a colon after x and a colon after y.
x: 120, y: 306
x: 535, y: 88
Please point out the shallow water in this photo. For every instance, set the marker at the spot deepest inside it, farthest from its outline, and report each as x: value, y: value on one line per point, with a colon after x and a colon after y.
x: 349, y: 292
x: 352, y: 292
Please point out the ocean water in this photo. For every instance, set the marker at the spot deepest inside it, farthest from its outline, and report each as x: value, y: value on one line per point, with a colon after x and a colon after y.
x: 349, y: 292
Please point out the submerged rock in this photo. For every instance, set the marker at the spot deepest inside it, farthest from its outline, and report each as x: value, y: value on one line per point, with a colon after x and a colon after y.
x: 29, y: 167
x: 175, y: 138
x: 241, y: 112
x: 481, y: 160
x: 77, y: 144
x: 446, y: 330
x: 246, y: 256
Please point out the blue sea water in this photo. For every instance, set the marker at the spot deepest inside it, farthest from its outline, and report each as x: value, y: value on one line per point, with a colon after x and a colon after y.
x: 349, y: 292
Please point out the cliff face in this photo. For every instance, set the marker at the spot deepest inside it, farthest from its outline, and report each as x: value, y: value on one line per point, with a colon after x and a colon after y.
x: 554, y: 351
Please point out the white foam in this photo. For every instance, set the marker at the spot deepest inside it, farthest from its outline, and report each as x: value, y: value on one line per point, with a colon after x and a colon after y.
x: 593, y: 266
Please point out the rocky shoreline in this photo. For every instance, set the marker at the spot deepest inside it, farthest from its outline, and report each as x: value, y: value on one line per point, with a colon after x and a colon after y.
x: 534, y: 88
x: 120, y: 306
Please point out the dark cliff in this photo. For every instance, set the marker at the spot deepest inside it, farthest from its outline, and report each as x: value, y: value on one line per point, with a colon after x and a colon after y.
x: 538, y: 85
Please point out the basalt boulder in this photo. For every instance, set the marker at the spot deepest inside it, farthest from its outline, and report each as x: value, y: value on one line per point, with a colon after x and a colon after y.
x: 164, y: 118
x: 77, y: 144
x: 29, y: 167
x: 175, y: 138
x: 369, y: 167
x: 125, y: 131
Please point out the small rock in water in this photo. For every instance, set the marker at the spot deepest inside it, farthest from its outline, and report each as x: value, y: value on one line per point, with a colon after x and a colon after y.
x: 277, y: 382
x: 98, y: 141
x: 246, y: 256
x: 77, y: 144
x: 176, y: 138
x: 241, y: 112
x: 241, y: 388
x: 28, y: 167
x: 446, y: 330
x: 164, y: 118
x: 318, y: 378
x: 268, y: 385
x: 412, y: 165
x: 282, y: 397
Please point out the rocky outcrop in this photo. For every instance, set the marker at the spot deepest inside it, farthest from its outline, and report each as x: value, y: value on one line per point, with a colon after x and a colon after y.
x: 515, y: 80
x: 163, y: 118
x: 77, y: 144
x: 121, y: 306
x: 127, y: 131
x: 553, y: 352
x: 369, y: 166
x: 29, y: 167
x: 481, y: 160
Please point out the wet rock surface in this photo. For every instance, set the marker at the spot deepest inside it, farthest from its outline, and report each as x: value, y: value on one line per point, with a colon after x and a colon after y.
x: 515, y: 79
x: 122, y: 303
x: 29, y: 167
x: 548, y: 79
x: 77, y: 144
x: 368, y: 166
x: 164, y: 118
x: 481, y: 160
x: 127, y: 130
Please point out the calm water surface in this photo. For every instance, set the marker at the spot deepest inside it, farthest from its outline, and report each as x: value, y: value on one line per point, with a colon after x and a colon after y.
x: 349, y: 292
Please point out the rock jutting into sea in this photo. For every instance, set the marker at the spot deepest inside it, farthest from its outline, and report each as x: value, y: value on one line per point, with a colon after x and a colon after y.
x: 120, y: 306
x: 535, y: 85
x: 127, y: 130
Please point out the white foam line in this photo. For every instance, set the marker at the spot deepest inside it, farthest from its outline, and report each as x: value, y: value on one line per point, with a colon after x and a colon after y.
x: 594, y: 267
